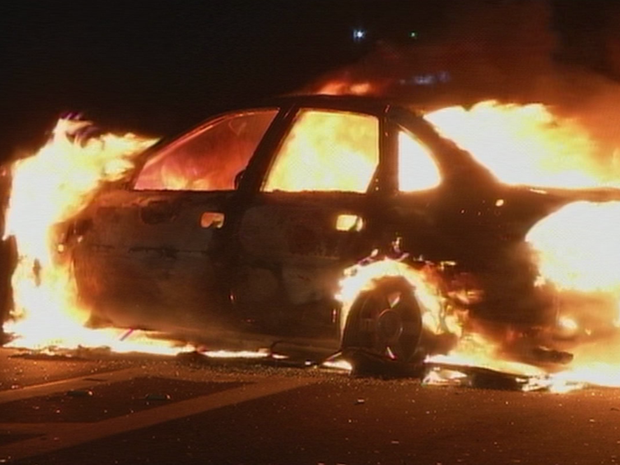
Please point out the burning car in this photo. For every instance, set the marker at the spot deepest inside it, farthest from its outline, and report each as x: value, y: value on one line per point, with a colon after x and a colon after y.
x: 242, y: 231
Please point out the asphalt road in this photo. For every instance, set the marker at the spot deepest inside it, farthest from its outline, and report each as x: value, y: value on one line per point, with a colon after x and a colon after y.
x: 99, y: 409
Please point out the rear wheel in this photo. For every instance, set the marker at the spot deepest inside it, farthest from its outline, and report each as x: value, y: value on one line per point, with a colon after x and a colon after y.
x: 385, y: 321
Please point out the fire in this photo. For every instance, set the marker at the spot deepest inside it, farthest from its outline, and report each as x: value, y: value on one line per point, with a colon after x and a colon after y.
x: 476, y: 350
x: 577, y: 250
x: 576, y: 247
x: 181, y: 165
x: 47, y: 190
x: 363, y: 277
x: 438, y: 316
x: 526, y: 144
x: 341, y: 87
x: 336, y: 143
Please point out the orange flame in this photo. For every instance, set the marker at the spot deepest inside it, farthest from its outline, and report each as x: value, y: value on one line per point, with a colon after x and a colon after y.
x: 323, y: 146
x: 47, y: 190
x: 526, y: 144
x: 363, y: 277
x: 578, y: 251
x: 578, y: 246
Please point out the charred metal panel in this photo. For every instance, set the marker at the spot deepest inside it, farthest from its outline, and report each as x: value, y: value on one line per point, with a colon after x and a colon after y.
x: 310, y: 283
x: 148, y: 257
x: 291, y: 256
x: 129, y: 220
x: 8, y: 249
x: 300, y: 227
x: 270, y: 231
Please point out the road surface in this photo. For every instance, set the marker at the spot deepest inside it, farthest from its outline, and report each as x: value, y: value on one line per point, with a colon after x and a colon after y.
x: 102, y: 409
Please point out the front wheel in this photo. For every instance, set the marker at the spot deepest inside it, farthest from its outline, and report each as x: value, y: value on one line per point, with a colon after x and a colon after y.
x: 385, y: 321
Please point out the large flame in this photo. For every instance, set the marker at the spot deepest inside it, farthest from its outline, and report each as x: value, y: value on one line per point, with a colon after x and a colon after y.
x: 577, y: 246
x: 327, y: 151
x: 578, y: 251
x: 438, y: 316
x: 47, y: 190
x: 527, y: 144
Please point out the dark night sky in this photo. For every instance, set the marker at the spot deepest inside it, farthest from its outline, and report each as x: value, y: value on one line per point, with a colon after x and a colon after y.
x: 138, y: 66
x: 154, y: 67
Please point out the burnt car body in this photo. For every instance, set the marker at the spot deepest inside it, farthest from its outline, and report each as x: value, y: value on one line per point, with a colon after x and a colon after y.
x: 210, y: 238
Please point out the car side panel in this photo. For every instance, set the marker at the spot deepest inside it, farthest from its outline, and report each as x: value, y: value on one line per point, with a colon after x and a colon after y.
x: 146, y: 259
x: 291, y: 257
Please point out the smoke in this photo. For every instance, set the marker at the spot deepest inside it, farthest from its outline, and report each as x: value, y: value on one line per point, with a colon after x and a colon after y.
x: 483, y: 50
x: 510, y: 51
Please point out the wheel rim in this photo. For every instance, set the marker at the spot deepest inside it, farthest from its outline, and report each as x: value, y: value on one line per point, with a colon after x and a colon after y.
x: 386, y: 320
x: 389, y: 326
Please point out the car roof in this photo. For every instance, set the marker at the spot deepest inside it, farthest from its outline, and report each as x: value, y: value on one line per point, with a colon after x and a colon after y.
x: 369, y: 104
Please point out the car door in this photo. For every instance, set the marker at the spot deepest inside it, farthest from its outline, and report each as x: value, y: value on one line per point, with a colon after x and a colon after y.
x: 446, y: 203
x: 422, y: 198
x: 311, y: 217
x: 451, y: 209
x: 148, y: 258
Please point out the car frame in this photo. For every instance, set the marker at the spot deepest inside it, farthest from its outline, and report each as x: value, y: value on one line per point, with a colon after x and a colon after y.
x: 243, y: 267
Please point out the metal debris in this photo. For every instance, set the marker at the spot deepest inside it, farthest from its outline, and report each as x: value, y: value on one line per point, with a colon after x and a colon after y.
x: 157, y: 397
x: 80, y: 393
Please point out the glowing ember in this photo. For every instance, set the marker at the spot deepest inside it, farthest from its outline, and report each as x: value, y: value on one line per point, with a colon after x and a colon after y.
x: 443, y: 377
x: 337, y: 365
x: 239, y: 354
x: 475, y: 350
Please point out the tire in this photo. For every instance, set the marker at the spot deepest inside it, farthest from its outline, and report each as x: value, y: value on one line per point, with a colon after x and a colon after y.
x: 385, y: 321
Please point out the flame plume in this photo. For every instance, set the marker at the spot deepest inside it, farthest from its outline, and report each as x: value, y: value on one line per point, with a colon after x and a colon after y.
x: 48, y: 189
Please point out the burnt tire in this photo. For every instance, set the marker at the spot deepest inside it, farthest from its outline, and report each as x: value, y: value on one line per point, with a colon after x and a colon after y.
x: 385, y: 321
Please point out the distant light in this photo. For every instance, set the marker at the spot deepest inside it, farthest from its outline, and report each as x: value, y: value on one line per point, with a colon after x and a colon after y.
x: 413, y: 35
x: 359, y: 35
x: 428, y: 79
x: 425, y: 79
